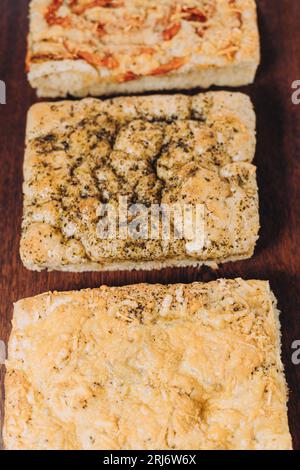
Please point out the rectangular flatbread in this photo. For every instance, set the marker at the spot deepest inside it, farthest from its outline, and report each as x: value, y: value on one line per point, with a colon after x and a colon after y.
x: 171, y: 152
x: 101, y: 47
x: 149, y: 367
x: 150, y: 151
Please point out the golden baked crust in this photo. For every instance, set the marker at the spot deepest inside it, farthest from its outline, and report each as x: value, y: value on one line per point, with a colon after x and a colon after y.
x: 147, y: 367
x: 153, y: 150
x: 85, y: 47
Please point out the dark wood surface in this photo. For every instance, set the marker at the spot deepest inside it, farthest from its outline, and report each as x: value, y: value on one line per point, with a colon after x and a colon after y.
x: 277, y: 256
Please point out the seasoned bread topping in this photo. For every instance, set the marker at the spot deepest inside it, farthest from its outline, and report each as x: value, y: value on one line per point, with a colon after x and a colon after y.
x: 147, y: 367
x: 128, y: 39
x: 152, y: 150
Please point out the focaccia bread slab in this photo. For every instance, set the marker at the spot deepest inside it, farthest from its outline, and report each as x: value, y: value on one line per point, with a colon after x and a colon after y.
x: 152, y: 150
x: 147, y: 367
x: 84, y: 47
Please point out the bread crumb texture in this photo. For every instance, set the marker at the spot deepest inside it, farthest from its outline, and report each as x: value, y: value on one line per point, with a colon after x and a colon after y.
x: 147, y: 367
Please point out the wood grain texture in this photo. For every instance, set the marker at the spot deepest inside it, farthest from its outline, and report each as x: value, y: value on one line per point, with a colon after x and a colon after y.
x: 277, y: 256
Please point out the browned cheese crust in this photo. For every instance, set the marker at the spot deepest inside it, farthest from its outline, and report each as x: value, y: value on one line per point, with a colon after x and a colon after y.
x: 147, y: 367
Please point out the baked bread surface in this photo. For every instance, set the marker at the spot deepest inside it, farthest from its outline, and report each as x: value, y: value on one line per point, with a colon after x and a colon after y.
x: 85, y: 47
x: 152, y: 150
x: 147, y: 367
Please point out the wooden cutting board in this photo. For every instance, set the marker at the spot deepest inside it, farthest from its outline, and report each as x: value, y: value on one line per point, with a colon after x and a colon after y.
x: 277, y: 256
